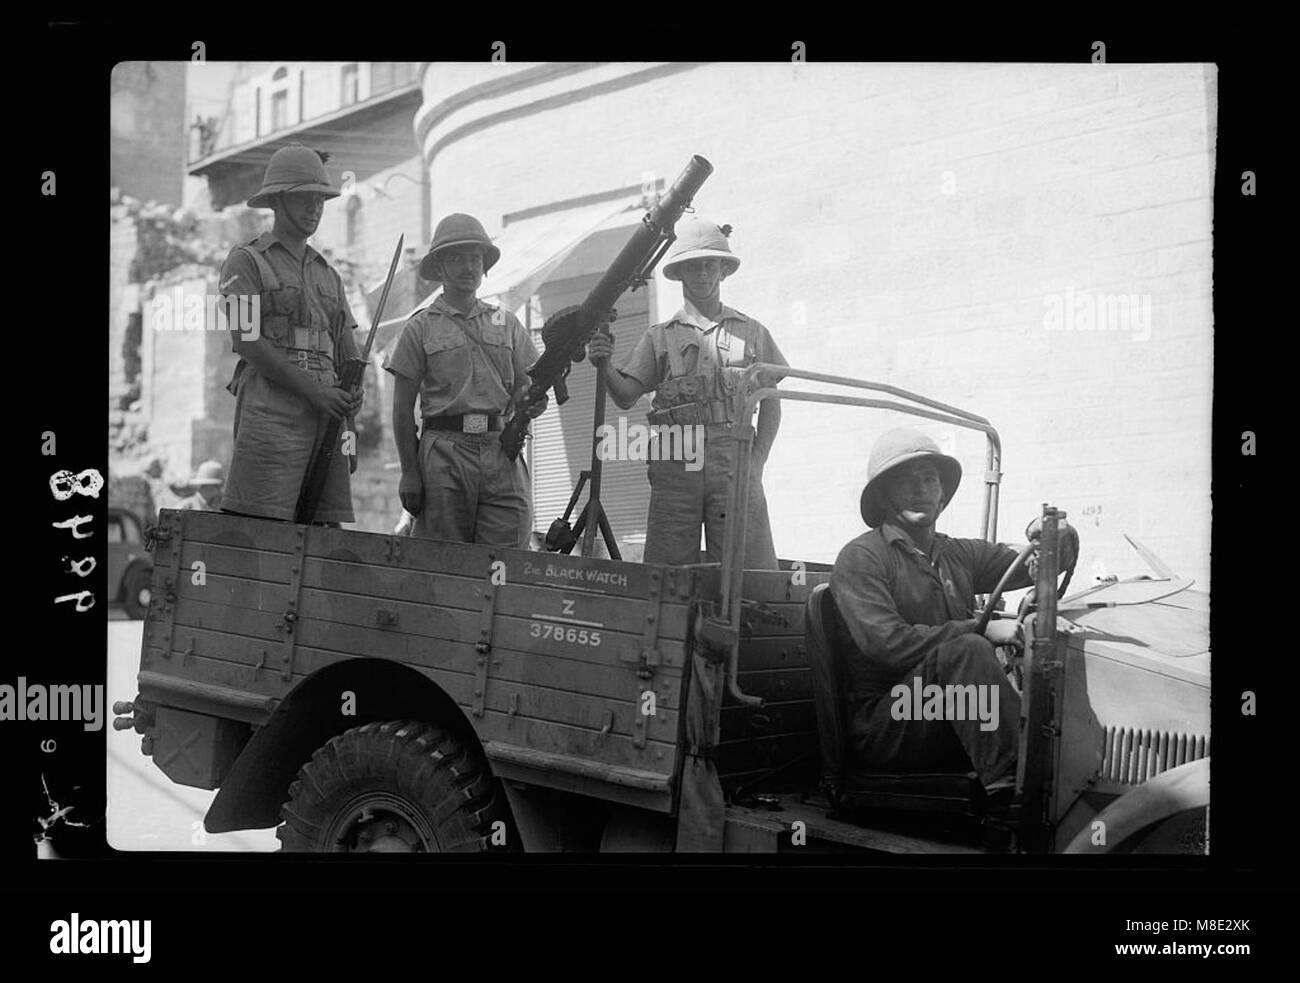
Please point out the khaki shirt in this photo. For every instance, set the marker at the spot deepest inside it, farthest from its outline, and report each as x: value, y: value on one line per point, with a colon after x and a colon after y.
x: 455, y: 374
x: 305, y: 279
x: 734, y: 341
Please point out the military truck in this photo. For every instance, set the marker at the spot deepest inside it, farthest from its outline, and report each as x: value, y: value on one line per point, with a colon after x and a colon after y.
x: 373, y: 693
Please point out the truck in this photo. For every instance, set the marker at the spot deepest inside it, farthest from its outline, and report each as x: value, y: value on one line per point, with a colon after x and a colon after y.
x: 362, y: 692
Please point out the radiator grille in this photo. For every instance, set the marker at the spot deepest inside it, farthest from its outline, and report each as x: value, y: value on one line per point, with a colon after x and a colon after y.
x: 1132, y: 756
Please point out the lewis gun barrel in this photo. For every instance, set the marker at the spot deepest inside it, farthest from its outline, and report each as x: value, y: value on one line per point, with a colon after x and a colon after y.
x: 567, y: 332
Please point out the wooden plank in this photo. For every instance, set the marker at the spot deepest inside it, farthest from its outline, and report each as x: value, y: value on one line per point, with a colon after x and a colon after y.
x: 244, y: 564
x: 386, y: 584
x: 497, y: 723
x: 433, y: 628
x: 586, y: 777
x: 568, y: 705
x: 758, y: 654
x: 777, y: 684
x: 821, y: 826
x: 616, y: 681
x: 778, y: 587
x: 562, y: 739
x: 610, y: 577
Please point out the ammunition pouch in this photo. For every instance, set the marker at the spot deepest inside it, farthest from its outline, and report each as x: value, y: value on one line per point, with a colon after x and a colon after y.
x: 690, y: 400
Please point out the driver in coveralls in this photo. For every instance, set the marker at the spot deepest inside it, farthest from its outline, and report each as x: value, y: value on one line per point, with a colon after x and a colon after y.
x: 905, y: 594
x: 285, y: 384
x: 464, y: 360
x: 694, y: 362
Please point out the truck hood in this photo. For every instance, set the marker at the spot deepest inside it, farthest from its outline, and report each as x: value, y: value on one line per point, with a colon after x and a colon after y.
x: 1146, y: 644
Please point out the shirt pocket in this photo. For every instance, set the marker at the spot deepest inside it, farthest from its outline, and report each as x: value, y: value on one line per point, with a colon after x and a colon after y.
x: 446, y: 353
x: 496, y: 346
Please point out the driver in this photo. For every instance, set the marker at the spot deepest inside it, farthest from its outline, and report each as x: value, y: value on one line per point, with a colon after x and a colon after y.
x: 905, y: 595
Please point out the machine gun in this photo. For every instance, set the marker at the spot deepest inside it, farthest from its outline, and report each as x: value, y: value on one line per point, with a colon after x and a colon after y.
x: 350, y: 377
x: 567, y: 332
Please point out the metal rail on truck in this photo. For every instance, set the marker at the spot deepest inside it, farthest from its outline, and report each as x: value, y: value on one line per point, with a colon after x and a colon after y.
x: 749, y: 394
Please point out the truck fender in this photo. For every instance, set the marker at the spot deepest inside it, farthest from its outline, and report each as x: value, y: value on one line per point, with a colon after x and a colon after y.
x: 257, y: 784
x: 1167, y: 794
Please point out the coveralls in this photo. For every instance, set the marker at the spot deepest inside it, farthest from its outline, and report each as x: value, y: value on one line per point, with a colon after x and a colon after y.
x: 908, y: 615
x: 473, y: 492
x: 304, y: 312
x: 694, y: 364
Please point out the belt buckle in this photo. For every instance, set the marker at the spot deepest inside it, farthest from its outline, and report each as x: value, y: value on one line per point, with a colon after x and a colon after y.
x: 474, y: 423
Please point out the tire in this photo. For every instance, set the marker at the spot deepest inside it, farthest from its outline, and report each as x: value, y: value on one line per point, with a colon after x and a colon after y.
x: 394, y: 787
x: 136, y: 586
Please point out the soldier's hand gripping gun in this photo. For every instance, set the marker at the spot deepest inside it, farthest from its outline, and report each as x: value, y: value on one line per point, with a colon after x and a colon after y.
x: 567, y: 332
x: 350, y: 377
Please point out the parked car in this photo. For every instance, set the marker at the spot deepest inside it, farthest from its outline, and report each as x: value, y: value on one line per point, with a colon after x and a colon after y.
x: 130, y: 568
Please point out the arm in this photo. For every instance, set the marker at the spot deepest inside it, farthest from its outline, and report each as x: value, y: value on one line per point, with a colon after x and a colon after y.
x: 410, y: 488
x: 769, y: 411
x: 623, y: 389
x: 860, y: 585
x: 407, y: 364
x: 625, y: 385
x: 239, y: 276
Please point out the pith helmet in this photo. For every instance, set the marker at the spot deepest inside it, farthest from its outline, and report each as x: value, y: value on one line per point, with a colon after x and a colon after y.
x: 209, y: 473
x: 293, y: 168
x: 458, y: 230
x: 898, y: 447
x: 698, y: 238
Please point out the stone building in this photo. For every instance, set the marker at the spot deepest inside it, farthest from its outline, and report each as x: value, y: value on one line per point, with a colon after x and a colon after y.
x: 1030, y: 243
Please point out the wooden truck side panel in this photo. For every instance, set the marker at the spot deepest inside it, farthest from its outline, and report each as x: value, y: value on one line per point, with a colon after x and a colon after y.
x: 774, y: 665
x: 551, y: 658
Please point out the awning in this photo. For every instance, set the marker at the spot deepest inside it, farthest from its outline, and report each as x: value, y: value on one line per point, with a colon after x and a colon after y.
x: 530, y: 251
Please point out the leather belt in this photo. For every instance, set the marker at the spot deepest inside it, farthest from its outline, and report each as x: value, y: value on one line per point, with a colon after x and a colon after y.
x: 467, y: 422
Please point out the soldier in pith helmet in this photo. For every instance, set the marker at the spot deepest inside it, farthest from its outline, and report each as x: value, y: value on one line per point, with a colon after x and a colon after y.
x: 905, y: 595
x: 286, y: 382
x: 464, y: 360
x: 693, y: 363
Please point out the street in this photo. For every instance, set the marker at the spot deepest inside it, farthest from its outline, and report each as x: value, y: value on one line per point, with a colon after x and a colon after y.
x: 146, y: 811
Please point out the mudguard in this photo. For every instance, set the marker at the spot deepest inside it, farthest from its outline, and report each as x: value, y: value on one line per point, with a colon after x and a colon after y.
x: 1169, y: 793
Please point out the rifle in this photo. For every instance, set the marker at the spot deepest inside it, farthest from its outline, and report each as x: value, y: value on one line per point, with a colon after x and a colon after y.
x: 567, y: 332
x: 350, y: 379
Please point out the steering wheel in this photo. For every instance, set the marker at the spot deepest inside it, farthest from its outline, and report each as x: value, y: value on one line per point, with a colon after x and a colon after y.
x: 992, y: 603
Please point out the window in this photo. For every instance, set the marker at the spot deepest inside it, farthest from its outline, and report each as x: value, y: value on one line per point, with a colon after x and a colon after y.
x: 350, y: 90
x: 279, y: 110
x: 115, y: 532
x: 280, y: 99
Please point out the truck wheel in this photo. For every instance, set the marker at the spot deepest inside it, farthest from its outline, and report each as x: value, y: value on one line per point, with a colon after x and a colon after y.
x: 135, y: 592
x: 395, y: 787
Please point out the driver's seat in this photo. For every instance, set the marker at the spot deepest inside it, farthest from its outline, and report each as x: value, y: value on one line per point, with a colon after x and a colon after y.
x: 851, y: 789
